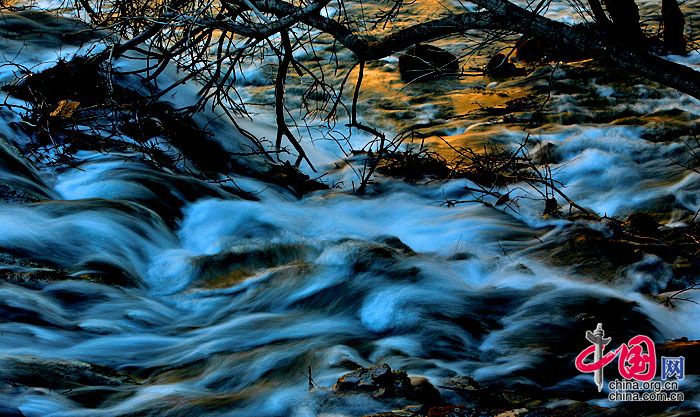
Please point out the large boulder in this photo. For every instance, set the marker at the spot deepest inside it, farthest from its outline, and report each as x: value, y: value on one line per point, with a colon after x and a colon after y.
x: 424, y: 62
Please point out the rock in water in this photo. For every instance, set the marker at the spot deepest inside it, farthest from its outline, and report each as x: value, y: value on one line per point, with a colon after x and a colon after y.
x: 546, y: 153
x: 424, y: 392
x: 500, y: 66
x: 426, y: 62
x: 642, y: 224
x: 10, y: 412
x: 33, y: 371
x: 382, y: 382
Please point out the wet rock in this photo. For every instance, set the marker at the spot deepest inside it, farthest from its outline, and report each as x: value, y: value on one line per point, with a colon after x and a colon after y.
x: 592, y: 253
x: 424, y: 62
x: 32, y: 371
x: 52, y: 28
x: 19, y: 182
x: 424, y: 392
x: 31, y: 277
x: 16, y: 193
x: 383, y: 382
x: 380, y: 381
x: 463, y: 384
x: 10, y: 412
x: 396, y: 243
x: 14, y: 268
x: 546, y: 153
x: 611, y: 227
x: 30, y: 270
x: 382, y: 259
x: 461, y: 256
x: 235, y: 265
x: 87, y: 384
x: 500, y: 66
x: 642, y: 224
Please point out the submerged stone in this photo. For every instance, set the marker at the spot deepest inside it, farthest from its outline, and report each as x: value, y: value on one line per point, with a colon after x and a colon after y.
x: 500, y: 66
x: 33, y: 371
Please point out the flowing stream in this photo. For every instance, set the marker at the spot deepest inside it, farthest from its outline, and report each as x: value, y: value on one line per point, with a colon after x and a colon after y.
x: 206, y: 300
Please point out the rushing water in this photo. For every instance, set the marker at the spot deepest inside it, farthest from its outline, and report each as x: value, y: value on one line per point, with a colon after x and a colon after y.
x: 226, y: 298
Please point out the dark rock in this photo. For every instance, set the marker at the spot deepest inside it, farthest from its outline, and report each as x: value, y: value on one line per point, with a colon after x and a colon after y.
x: 611, y: 227
x: 460, y: 256
x: 18, y: 192
x: 546, y: 153
x: 463, y: 383
x: 31, y: 277
x: 642, y: 224
x: 593, y: 253
x: 10, y: 412
x: 19, y: 182
x: 500, y: 66
x: 230, y: 267
x: 57, y: 374
x: 382, y: 382
x: 424, y: 392
x: 383, y: 260
x: 51, y: 28
x: 424, y: 62
x: 396, y: 243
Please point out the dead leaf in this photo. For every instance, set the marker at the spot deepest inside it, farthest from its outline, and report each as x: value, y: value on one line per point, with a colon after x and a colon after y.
x: 65, y: 108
